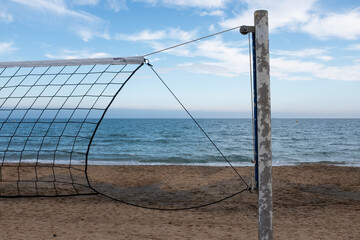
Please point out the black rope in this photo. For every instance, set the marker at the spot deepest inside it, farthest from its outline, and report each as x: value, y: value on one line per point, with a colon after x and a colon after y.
x: 207, y: 136
x: 198, y: 125
x: 171, y: 209
x: 174, y: 209
x: 157, y: 208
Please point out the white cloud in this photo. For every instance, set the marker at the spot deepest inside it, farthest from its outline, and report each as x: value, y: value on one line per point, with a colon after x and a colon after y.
x: 157, y: 59
x: 189, y: 3
x: 289, y: 69
x: 57, y: 7
x: 347, y: 73
x: 179, y: 51
x: 86, y: 33
x: 218, y: 49
x: 223, y: 58
x: 83, y: 24
x: 212, y: 13
x: 74, y: 54
x: 117, y: 5
x: 282, y: 13
x: 305, y: 53
x: 148, y: 35
x: 86, y: 2
x: 339, y: 25
x: 324, y: 58
x: 302, y: 16
x: 7, y: 47
x: 354, y: 47
x: 145, y: 35
x: 5, y: 17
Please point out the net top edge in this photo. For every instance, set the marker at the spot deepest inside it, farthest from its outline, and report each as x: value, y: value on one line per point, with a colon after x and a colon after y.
x: 76, y: 62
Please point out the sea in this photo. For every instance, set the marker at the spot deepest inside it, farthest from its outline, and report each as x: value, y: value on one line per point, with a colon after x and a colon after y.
x: 208, y: 142
x: 181, y: 141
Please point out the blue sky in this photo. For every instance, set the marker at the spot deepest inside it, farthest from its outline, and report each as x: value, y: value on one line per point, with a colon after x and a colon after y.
x: 314, y: 51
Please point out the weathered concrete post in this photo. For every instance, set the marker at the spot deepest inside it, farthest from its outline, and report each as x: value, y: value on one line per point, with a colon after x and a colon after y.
x: 263, y: 125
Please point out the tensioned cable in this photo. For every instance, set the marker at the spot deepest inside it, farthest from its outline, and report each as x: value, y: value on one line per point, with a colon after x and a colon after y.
x: 203, y: 131
x: 184, y: 43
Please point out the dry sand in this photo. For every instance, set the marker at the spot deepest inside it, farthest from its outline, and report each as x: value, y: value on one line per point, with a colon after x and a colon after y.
x: 310, y: 202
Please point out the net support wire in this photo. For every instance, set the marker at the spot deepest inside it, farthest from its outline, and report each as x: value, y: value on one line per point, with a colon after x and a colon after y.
x: 244, y: 30
x: 198, y: 125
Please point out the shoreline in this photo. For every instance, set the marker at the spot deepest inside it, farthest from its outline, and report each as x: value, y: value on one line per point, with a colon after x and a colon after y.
x: 209, y: 164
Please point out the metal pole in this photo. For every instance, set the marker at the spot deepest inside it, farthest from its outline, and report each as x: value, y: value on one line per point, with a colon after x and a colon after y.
x: 256, y: 140
x: 264, y: 125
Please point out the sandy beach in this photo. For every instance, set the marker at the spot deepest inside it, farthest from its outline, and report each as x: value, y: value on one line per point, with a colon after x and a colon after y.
x: 310, y: 202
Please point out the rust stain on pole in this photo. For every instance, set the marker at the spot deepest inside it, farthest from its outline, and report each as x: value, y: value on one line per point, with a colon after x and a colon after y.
x: 264, y: 124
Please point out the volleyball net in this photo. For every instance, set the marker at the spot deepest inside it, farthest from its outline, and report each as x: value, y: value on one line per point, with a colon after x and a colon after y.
x: 49, y: 113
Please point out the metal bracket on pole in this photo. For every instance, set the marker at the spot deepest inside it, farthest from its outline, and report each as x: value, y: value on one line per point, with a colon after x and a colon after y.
x: 247, y: 29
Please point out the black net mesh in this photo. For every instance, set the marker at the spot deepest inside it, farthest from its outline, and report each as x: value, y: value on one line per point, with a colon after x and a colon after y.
x: 48, y: 118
